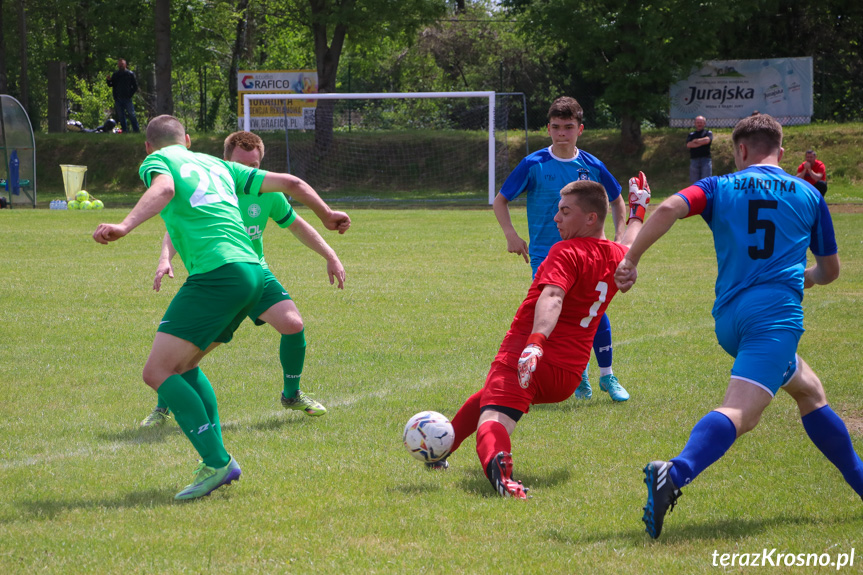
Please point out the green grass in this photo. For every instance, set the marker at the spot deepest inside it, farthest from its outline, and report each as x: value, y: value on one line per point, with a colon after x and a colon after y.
x: 429, y: 295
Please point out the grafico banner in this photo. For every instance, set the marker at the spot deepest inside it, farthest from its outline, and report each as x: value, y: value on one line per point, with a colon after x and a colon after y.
x: 728, y: 90
x: 277, y: 114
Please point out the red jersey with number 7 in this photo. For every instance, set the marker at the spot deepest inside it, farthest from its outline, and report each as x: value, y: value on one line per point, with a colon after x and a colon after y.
x: 584, y: 269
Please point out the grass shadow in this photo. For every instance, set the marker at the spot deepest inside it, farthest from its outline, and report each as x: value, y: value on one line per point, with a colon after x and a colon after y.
x: 728, y: 529
x: 142, y: 434
x: 413, y: 489
x: 478, y: 483
x: 51, y: 508
x: 573, y: 405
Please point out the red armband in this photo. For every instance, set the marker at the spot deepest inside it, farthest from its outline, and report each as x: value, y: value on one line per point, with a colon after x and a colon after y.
x: 536, y: 339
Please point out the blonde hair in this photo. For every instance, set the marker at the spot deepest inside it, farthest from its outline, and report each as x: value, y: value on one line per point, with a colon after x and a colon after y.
x: 589, y: 195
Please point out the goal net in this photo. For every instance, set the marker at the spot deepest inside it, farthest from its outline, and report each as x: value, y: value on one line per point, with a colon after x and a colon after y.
x: 425, y: 147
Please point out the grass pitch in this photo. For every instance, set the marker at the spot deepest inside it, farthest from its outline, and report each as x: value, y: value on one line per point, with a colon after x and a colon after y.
x: 429, y: 296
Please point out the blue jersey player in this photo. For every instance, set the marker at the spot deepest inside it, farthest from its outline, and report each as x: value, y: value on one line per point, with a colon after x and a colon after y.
x: 542, y: 175
x: 763, y: 221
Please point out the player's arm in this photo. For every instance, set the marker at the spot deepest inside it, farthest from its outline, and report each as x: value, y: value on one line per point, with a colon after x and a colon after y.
x: 825, y: 270
x: 157, y: 196
x: 817, y: 175
x: 801, y: 170
x: 514, y: 243
x: 309, y: 237
x: 639, y: 198
x: 618, y: 217
x: 546, y: 314
x: 661, y: 220
x: 300, y: 190
x: 164, y: 266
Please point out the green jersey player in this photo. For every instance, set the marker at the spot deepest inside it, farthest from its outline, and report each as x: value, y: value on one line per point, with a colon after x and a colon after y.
x: 194, y: 194
x: 275, y: 307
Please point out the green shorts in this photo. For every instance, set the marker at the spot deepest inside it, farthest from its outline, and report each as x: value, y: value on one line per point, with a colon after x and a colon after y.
x: 210, y: 306
x: 273, y: 294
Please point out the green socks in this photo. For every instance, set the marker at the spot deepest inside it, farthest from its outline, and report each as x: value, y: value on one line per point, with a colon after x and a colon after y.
x: 292, y: 353
x: 199, y: 382
x: 191, y: 414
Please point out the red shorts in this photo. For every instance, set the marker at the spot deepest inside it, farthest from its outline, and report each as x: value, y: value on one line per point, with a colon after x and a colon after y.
x: 549, y: 384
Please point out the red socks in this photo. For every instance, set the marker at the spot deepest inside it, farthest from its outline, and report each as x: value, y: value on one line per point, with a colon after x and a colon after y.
x: 491, y: 439
x: 464, y: 422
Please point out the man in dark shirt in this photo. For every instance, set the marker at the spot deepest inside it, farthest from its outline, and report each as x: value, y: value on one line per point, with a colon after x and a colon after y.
x: 698, y: 142
x: 124, y: 86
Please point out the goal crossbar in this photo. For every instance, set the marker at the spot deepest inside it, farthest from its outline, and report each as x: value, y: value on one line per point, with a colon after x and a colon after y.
x: 247, y: 116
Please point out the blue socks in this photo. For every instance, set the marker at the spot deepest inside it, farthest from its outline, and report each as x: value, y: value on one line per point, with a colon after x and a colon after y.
x: 711, y: 437
x: 829, y: 434
x: 602, y: 342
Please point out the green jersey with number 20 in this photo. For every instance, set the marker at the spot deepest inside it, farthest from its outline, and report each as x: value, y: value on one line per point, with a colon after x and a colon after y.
x: 203, y: 218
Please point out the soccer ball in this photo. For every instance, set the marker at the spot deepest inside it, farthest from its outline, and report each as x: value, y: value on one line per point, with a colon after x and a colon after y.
x: 82, y: 196
x: 429, y: 436
x: 97, y: 205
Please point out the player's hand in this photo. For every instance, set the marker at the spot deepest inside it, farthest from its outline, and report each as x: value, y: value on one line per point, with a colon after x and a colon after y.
x: 639, y: 191
x: 336, y: 271
x: 527, y: 364
x: 625, y: 275
x: 808, y: 282
x: 337, y: 221
x: 109, y: 233
x: 516, y: 245
x: 164, y: 268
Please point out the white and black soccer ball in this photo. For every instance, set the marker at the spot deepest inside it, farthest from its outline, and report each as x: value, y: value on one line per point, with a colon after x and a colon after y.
x: 429, y: 436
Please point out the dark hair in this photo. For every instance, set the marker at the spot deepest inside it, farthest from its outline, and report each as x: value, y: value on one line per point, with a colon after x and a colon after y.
x: 566, y: 108
x: 245, y: 141
x: 589, y: 195
x: 761, y: 133
x: 164, y: 131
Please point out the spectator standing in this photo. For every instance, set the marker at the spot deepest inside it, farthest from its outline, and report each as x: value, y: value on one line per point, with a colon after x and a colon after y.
x: 698, y: 142
x: 124, y: 85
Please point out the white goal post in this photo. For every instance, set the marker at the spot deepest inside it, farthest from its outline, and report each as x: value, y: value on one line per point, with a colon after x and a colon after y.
x: 247, y: 98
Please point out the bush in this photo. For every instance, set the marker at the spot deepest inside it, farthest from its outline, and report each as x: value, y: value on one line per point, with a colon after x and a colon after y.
x: 90, y: 104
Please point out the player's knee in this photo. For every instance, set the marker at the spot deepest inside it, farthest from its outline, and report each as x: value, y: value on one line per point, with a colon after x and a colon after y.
x: 293, y: 324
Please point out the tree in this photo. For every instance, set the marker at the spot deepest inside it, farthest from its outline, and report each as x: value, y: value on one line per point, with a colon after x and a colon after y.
x: 331, y: 22
x: 164, y: 94
x: 633, y: 49
x: 830, y: 31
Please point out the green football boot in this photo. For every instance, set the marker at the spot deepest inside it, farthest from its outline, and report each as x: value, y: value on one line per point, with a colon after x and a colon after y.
x: 156, y: 418
x: 302, y: 401
x: 208, y: 479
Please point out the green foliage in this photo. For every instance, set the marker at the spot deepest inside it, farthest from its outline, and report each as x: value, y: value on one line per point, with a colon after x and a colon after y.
x: 86, y: 489
x: 90, y: 103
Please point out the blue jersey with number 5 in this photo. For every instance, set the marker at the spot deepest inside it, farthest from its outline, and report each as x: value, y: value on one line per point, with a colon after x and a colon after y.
x: 763, y: 220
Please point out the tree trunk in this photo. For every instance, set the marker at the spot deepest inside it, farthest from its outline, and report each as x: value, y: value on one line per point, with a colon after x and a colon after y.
x: 238, y: 52
x: 164, y: 93
x: 630, y: 135
x: 23, y: 87
x: 327, y: 56
x: 4, y: 77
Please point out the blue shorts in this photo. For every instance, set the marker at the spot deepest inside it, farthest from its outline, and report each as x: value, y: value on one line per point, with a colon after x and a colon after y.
x: 760, y: 329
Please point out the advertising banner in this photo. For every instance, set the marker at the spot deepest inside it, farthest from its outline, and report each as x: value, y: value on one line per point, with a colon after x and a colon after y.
x: 728, y: 90
x: 277, y: 114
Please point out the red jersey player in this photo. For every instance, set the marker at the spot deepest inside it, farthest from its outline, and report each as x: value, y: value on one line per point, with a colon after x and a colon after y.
x: 548, y: 345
